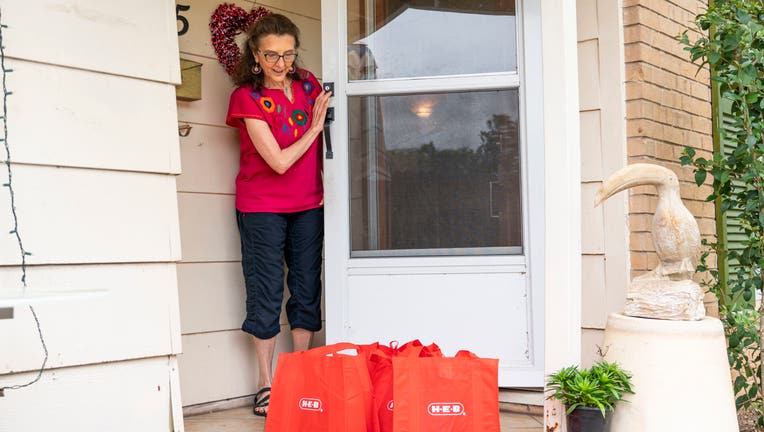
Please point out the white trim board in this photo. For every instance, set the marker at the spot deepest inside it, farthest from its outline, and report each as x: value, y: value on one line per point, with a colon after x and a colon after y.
x: 562, y: 150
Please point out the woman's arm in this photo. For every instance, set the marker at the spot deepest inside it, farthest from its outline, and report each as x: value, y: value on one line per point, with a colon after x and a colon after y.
x: 280, y: 160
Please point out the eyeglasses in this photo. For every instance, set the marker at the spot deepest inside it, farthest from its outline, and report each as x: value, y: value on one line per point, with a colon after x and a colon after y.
x: 272, y: 57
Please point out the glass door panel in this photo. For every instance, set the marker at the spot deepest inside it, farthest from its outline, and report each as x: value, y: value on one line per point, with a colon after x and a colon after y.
x: 425, y: 38
x: 435, y: 174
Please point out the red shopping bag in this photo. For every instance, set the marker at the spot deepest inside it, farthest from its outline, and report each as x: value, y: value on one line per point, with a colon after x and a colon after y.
x: 321, y: 390
x: 381, y: 371
x: 446, y: 394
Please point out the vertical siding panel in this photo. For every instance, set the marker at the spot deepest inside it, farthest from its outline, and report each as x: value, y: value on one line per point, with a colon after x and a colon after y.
x: 593, y: 285
x: 587, y: 20
x: 591, y: 344
x: 614, y: 154
x: 588, y: 75
x: 591, y: 146
x: 592, y: 231
x: 603, y: 143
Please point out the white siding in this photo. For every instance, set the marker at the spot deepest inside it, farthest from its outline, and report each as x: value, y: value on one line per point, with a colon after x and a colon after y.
x: 136, y: 317
x: 213, y: 156
x: 73, y: 215
x: 210, y: 297
x: 218, y: 361
x: 208, y: 227
x: 80, y: 118
x: 604, y: 230
x: 134, y: 40
x: 116, y: 397
x: 226, y: 358
x: 92, y: 131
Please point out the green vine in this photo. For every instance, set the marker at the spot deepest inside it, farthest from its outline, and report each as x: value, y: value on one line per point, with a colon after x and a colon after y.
x: 734, y: 51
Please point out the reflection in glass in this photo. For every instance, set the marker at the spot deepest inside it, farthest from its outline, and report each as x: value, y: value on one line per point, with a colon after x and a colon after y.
x: 420, y: 38
x: 434, y: 174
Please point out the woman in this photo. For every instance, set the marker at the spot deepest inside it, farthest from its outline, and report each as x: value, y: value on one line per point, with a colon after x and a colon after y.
x: 279, y: 110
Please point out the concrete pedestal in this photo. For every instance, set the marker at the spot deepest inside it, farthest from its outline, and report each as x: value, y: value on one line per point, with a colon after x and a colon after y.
x: 681, y: 375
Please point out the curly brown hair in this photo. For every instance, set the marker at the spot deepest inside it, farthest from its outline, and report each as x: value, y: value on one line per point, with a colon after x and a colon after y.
x: 273, y: 24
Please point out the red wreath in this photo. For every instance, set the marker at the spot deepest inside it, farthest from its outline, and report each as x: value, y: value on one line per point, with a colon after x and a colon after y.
x: 226, y: 22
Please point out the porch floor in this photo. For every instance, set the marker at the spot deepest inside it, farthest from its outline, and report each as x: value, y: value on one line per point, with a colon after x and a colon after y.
x: 242, y: 420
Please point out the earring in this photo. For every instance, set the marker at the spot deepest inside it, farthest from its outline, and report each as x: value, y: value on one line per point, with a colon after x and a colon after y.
x: 256, y: 69
x: 292, y: 69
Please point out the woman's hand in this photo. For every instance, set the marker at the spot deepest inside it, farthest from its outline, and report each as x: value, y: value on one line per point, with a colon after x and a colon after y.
x: 319, y: 111
x: 280, y: 160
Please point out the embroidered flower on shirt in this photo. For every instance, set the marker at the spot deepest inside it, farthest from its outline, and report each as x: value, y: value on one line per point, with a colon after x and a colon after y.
x: 267, y: 104
x: 300, y: 117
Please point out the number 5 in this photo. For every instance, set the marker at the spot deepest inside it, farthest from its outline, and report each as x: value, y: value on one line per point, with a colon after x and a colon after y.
x: 182, y: 19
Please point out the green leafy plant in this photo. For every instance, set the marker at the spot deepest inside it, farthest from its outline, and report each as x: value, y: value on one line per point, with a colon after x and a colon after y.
x: 734, y: 51
x: 600, y: 386
x: 742, y: 330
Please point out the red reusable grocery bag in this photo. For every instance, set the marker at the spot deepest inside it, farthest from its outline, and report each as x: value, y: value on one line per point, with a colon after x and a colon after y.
x: 446, y: 394
x: 321, y: 390
x: 381, y: 371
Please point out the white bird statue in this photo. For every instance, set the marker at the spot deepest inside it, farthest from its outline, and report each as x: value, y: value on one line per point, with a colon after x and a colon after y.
x: 668, y: 291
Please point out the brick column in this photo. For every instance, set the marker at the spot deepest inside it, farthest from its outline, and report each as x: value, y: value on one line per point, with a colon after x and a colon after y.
x: 668, y: 106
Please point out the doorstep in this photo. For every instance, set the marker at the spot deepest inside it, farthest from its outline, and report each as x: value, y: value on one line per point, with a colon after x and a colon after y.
x: 242, y: 420
x: 522, y: 401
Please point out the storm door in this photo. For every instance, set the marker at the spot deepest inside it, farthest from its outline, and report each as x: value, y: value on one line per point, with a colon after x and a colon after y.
x: 432, y: 216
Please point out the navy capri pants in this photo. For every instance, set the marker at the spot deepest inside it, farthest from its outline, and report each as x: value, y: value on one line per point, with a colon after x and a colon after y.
x: 267, y: 240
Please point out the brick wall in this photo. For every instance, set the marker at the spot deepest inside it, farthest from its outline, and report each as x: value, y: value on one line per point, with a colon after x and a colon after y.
x: 668, y: 106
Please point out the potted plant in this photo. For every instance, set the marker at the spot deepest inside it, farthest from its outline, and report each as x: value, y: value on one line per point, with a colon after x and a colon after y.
x: 589, y: 395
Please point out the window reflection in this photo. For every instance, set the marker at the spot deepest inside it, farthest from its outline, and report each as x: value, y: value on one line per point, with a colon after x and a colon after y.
x: 397, y: 38
x: 436, y: 173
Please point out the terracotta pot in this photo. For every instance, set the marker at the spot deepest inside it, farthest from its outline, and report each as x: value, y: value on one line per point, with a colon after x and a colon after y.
x: 586, y: 419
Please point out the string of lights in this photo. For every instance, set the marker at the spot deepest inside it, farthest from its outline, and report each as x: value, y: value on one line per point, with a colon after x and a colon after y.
x: 15, y: 230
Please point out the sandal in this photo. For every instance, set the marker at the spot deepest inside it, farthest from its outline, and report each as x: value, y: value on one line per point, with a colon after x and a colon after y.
x: 261, y: 401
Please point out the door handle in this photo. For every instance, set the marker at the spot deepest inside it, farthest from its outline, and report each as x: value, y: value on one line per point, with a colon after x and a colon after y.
x: 327, y: 134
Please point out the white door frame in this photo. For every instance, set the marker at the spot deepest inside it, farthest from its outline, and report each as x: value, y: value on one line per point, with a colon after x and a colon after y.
x: 562, y: 173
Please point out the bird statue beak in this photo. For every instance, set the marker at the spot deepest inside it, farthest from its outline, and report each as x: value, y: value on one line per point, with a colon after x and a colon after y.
x: 635, y: 175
